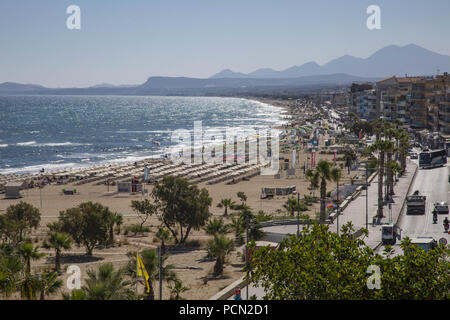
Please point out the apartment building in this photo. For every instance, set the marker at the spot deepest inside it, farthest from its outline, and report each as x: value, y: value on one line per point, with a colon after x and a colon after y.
x: 418, y: 102
x: 394, y: 98
x: 363, y: 100
x: 444, y: 104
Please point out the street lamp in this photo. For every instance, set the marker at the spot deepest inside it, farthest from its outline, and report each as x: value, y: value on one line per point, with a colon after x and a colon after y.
x: 298, y: 214
x: 246, y: 253
x: 367, y: 200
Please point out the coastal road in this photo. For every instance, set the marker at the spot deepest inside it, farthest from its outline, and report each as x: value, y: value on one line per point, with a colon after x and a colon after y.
x: 433, y: 183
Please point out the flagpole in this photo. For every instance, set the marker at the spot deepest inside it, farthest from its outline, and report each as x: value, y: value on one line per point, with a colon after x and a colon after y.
x: 137, y: 275
x: 160, y: 273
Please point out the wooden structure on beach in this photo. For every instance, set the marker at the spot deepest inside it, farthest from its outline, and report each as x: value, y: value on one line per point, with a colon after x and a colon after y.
x: 12, y: 189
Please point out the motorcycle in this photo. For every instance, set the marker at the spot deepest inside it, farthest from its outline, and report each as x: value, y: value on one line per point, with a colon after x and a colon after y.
x: 435, y: 219
x: 446, y: 227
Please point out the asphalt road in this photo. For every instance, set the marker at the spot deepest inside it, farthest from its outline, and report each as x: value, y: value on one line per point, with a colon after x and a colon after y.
x: 433, y: 183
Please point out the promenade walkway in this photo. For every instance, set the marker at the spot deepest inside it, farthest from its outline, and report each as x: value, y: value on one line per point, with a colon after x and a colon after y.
x: 356, y: 210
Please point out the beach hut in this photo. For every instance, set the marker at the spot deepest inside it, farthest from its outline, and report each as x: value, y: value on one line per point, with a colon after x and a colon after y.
x: 12, y: 189
x: 124, y: 187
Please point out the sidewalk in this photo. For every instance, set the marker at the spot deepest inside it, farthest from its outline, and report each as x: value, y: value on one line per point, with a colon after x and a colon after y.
x: 356, y: 210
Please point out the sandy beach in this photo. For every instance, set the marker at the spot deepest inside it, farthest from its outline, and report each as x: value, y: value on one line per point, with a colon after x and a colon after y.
x: 94, y: 187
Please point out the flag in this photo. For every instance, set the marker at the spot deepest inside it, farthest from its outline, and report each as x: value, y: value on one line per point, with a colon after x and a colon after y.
x: 141, y: 271
x: 294, y: 157
x: 146, y: 171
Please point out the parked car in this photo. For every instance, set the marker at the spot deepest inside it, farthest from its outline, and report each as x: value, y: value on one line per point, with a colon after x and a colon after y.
x: 441, y: 207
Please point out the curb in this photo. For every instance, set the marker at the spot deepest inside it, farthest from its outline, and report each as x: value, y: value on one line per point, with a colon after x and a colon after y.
x: 224, y: 294
x: 403, y: 205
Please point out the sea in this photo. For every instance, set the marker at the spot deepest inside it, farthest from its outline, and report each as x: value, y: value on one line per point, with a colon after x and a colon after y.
x: 59, y: 132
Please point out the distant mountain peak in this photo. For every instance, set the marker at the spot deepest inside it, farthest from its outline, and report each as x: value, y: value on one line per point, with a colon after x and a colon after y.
x: 387, y: 61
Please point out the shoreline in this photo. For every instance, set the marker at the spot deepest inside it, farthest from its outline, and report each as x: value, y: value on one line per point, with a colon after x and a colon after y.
x: 29, y: 172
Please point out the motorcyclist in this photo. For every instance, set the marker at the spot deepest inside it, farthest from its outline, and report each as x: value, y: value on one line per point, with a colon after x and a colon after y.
x: 446, y: 224
x: 435, y: 217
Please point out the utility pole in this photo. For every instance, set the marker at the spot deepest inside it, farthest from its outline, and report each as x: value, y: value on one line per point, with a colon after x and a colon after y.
x: 160, y: 273
x: 246, y: 254
x: 40, y: 194
x: 337, y: 221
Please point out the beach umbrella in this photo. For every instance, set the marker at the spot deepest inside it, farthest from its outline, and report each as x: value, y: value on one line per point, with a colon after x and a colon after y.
x: 330, y: 205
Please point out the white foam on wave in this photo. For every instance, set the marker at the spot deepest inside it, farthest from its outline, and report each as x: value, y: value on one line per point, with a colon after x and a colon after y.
x: 24, y: 144
x: 50, y: 144
x: 36, y: 168
x: 3, y: 145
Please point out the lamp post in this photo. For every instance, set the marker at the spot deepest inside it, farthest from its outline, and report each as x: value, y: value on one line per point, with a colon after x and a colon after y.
x: 367, y: 200
x: 298, y: 214
x: 337, y: 221
x: 246, y: 253
x: 160, y: 272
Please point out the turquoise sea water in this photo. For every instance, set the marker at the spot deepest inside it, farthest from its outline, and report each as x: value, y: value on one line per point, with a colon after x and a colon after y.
x: 53, y: 132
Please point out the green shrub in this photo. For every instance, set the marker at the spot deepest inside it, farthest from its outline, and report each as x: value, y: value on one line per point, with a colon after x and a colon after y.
x: 137, y: 228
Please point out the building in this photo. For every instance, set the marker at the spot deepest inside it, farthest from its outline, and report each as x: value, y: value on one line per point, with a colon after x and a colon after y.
x: 363, y: 100
x: 394, y: 98
x: 444, y: 110
x: 12, y: 189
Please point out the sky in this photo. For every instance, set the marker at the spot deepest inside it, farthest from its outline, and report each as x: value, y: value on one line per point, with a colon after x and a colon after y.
x: 125, y: 42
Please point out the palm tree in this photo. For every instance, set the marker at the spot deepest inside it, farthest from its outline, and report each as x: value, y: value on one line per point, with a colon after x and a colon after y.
x: 119, y: 221
x: 11, y: 267
x: 291, y: 206
x: 177, y: 289
x: 48, y: 283
x: 336, y: 175
x: 58, y: 241
x: 324, y: 171
x: 111, y: 219
x: 313, y: 178
x: 378, y: 125
x: 251, y: 224
x: 238, y: 227
x: 403, y: 146
x: 396, y: 168
x: 28, y: 253
x: 381, y: 146
x: 390, y: 148
x: 29, y: 286
x: 349, y: 158
x: 107, y: 284
x: 164, y: 235
x: 241, y: 195
x: 226, y: 203
x: 216, y: 226
x: 219, y: 248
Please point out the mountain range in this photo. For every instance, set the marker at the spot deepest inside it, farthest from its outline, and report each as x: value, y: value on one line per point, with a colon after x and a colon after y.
x: 388, y: 61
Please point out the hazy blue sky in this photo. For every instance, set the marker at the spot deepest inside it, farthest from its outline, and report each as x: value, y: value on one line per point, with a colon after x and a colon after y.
x: 125, y: 42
